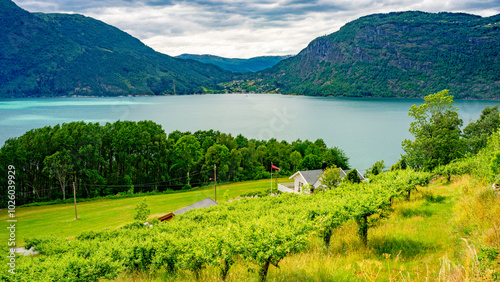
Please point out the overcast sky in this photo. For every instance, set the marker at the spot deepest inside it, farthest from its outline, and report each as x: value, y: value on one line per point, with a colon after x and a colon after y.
x: 241, y: 28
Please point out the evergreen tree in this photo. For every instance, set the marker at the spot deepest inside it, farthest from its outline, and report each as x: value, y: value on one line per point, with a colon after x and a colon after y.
x: 352, y: 176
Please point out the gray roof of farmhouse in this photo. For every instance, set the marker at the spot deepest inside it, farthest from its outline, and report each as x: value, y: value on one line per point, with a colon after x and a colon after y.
x: 205, y: 203
x: 311, y: 176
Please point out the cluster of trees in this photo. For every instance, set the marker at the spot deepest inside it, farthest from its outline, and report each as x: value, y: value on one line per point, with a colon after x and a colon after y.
x: 259, y: 231
x: 483, y: 165
x: 127, y: 156
x: 438, y: 135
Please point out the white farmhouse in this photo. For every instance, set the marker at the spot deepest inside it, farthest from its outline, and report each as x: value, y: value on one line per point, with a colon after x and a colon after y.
x: 309, y: 178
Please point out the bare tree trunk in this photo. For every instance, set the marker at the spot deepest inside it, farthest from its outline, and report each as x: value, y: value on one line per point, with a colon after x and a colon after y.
x: 263, y: 270
x: 225, y: 270
x: 62, y: 182
x: 327, y: 238
x: 363, y: 229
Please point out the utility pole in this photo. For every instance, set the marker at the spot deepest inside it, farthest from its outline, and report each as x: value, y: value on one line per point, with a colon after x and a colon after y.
x: 74, y: 197
x: 215, y: 181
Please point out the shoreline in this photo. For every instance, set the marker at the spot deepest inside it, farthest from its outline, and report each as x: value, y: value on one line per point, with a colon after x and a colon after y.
x: 244, y: 93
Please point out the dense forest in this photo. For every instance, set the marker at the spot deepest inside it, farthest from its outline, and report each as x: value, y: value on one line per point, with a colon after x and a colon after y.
x: 128, y: 157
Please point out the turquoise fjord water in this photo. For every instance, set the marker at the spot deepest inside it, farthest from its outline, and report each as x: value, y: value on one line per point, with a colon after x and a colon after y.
x: 368, y: 130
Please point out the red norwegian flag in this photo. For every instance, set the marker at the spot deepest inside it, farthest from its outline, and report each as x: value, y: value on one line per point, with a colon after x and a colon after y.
x: 275, y: 167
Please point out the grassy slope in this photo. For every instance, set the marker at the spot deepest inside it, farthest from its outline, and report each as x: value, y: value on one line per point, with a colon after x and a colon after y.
x: 417, y: 242
x: 112, y: 213
x: 413, y: 244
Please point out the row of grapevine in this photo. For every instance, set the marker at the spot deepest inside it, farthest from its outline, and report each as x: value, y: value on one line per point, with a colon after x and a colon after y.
x: 260, y: 231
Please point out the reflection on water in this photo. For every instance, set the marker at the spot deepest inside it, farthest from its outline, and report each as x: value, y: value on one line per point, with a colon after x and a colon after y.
x: 368, y: 130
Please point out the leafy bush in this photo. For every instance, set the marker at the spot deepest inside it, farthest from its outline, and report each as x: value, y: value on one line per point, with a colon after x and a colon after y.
x: 142, y: 211
x: 48, y: 245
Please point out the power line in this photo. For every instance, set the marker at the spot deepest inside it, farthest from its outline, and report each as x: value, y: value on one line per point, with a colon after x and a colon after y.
x: 144, y: 184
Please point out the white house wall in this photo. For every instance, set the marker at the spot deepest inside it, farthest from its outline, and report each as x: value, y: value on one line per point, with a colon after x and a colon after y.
x: 298, y: 179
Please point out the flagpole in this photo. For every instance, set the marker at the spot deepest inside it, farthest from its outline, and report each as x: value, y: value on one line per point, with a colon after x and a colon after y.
x: 271, y: 179
x: 277, y: 180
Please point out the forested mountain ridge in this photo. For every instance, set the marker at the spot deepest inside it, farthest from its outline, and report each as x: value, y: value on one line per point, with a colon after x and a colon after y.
x: 64, y: 55
x: 237, y: 65
x: 403, y: 54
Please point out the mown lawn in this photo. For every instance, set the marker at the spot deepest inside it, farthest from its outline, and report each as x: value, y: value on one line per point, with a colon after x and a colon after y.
x: 102, y: 214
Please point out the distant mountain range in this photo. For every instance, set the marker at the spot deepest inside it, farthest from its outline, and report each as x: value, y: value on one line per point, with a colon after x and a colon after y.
x: 404, y: 54
x: 237, y: 65
x: 64, y: 55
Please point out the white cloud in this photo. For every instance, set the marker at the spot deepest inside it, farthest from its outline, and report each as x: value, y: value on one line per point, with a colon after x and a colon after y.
x: 35, y: 6
x: 242, y: 29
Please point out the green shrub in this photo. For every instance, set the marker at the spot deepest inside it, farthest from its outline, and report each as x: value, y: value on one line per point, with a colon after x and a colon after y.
x: 48, y: 245
x: 142, y: 211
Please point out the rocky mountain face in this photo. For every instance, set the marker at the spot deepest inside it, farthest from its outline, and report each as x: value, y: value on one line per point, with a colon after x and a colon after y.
x: 406, y: 54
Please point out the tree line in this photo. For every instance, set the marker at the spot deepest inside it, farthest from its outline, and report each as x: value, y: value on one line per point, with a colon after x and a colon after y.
x: 129, y: 156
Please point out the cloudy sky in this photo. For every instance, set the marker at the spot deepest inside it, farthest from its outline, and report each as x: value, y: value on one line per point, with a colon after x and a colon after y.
x: 241, y: 28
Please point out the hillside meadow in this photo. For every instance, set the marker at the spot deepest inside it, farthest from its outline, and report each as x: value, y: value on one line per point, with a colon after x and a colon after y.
x: 419, y: 241
x: 438, y: 234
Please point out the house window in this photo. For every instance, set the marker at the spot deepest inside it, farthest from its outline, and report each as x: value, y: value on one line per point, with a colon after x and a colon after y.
x: 300, y: 186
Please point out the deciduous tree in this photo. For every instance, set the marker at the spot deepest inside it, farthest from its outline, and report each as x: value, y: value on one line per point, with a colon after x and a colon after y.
x: 295, y: 159
x: 331, y: 177
x: 377, y: 168
x: 476, y: 133
x: 437, y: 132
x: 59, y: 165
x: 142, y: 211
x: 187, y: 153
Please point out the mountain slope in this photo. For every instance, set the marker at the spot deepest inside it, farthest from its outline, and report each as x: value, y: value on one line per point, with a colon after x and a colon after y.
x: 237, y: 65
x: 61, y: 54
x: 404, y: 54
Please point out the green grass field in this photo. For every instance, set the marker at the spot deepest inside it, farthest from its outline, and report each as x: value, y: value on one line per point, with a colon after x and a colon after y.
x: 102, y: 214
